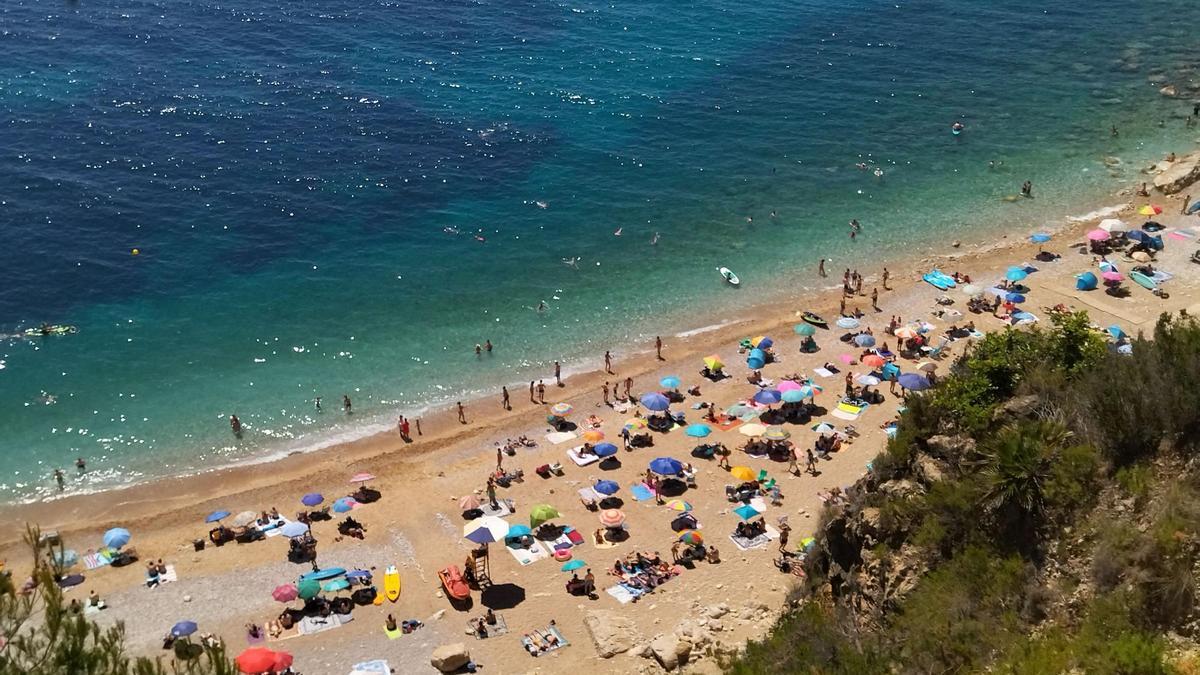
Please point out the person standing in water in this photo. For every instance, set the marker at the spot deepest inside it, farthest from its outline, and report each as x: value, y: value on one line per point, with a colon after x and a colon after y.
x: 487, y: 346
x: 317, y: 403
x: 558, y: 373
x: 608, y: 362
x: 235, y: 424
x: 1027, y: 189
x: 346, y: 408
x: 821, y: 268
x: 58, y: 478
x: 80, y: 465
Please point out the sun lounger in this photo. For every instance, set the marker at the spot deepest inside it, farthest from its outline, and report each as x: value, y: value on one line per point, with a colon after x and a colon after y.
x: 530, y: 555
x: 537, y: 644
x: 557, y: 437
x: 504, y: 507
x: 318, y: 624
x: 581, y: 460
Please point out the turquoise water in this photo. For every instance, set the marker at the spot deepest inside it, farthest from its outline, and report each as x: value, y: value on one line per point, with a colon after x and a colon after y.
x: 288, y: 172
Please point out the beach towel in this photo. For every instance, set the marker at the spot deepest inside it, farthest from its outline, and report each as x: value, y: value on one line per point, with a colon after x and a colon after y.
x: 393, y: 634
x: 504, y: 507
x: 1161, y: 276
x: 495, y: 630
x: 823, y: 372
x: 563, y: 541
x: 166, y: 577
x: 845, y: 411
x: 745, y: 544
x: 317, y: 624
x: 539, y: 646
x: 1177, y: 235
x: 530, y: 555
x: 581, y: 460
x: 93, y: 560
x: 622, y: 406
x: 376, y: 667
x: 640, y: 492
x: 589, y: 494
x: 729, y: 425
x: 624, y: 594
x: 557, y: 437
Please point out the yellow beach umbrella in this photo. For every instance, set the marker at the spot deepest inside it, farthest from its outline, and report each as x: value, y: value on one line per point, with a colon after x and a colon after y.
x: 776, y: 433
x: 743, y: 473
x: 752, y: 429
x: 713, y: 362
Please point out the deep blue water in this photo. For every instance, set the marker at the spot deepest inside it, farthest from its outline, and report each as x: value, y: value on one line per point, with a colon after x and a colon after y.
x: 288, y: 172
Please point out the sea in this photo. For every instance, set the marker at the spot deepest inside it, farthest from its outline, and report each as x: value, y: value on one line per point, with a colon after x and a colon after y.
x: 244, y: 206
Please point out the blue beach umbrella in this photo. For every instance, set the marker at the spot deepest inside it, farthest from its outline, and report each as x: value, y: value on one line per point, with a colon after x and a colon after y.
x: 768, y: 396
x: 864, y: 340
x: 605, y: 450
x: 1015, y: 274
x: 1138, y: 236
x: 805, y: 329
x: 847, y: 322
x: 311, y: 499
x: 571, y: 565
x: 1039, y: 238
x: 604, y: 487
x: 655, y: 401
x: 666, y: 466
x: 1015, y: 298
x: 914, y: 382
x: 293, y: 529
x: 698, y: 430
x: 343, y: 505
x: 890, y: 371
x: 793, y: 396
x: 184, y: 628
x: 116, y: 537
x: 669, y: 382
x: 216, y: 516
x: 746, y: 512
x: 518, y: 530
x: 1115, y: 331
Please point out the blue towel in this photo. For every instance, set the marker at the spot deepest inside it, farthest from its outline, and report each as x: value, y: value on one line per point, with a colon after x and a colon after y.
x: 640, y: 492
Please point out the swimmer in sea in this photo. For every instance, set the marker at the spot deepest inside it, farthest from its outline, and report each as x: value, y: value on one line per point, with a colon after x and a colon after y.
x: 571, y: 262
x: 450, y: 230
x: 654, y: 239
x: 879, y: 173
x: 542, y: 205
x: 861, y: 166
x: 957, y: 126
x: 541, y: 306
x: 618, y: 232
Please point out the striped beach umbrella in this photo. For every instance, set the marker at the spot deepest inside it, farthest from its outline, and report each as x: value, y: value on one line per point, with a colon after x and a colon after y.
x: 612, y: 518
x: 678, y: 505
x: 691, y: 537
x: 561, y: 409
x: 776, y: 433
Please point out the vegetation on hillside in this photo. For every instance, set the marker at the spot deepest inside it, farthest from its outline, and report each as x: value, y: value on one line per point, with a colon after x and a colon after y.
x: 1038, y: 512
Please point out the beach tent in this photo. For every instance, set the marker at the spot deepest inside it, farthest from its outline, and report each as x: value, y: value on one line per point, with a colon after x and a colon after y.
x: 1086, y: 282
x: 757, y: 359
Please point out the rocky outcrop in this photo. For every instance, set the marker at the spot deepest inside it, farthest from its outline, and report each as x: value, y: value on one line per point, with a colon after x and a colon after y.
x: 1181, y: 174
x: 449, y: 658
x: 901, y: 488
x: 950, y: 448
x: 1017, y: 407
x: 671, y: 650
x: 928, y: 470
x: 883, y: 582
x: 611, y: 633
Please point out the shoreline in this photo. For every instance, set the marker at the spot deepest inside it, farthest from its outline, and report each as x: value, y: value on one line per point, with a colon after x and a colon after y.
x: 376, y: 442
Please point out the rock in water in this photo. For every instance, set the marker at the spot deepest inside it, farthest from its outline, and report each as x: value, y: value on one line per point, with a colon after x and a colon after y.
x: 449, y: 658
x: 612, y: 633
x: 1179, y: 175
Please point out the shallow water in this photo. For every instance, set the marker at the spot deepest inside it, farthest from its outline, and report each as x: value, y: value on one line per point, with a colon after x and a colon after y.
x: 288, y: 173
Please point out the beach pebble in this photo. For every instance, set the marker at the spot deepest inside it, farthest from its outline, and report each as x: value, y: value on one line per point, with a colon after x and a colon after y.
x: 187, y: 598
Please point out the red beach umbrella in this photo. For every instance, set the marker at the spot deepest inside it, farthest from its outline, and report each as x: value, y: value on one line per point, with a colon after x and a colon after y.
x: 257, y: 660
x: 285, y: 593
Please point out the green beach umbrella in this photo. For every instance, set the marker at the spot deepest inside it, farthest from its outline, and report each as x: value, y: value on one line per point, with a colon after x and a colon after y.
x: 805, y: 329
x: 542, y: 513
x: 309, y: 589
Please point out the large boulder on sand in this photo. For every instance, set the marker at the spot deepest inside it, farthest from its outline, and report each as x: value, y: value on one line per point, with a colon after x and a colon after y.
x: 670, y: 650
x: 612, y: 633
x: 1179, y: 175
x: 449, y: 658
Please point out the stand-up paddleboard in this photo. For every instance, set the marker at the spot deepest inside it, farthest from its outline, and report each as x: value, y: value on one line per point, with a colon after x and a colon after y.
x: 322, y: 575
x: 1143, y: 280
x: 51, y: 330
x: 729, y: 276
x: 391, y: 583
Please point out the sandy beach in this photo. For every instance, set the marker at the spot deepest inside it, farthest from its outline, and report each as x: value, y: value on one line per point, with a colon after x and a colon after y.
x: 418, y: 527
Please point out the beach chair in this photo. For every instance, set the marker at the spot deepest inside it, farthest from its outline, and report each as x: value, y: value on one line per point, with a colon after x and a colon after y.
x: 935, y: 351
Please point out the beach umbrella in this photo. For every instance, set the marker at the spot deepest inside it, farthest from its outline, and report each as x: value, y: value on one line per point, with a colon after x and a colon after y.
x: 593, y: 435
x: 635, y: 424
x: 486, y: 530
x: 542, y: 513
x: 698, y: 430
x: 867, y: 380
x: 285, y: 593
x: 561, y: 409
x: 312, y: 499
x: 767, y: 396
x: 807, y: 543
x: 669, y: 382
x: 572, y: 565
x: 739, y: 409
x: 469, y: 503
x: 244, y: 518
x: 788, y: 385
x: 1039, y: 238
x: 343, y: 505
x: 1015, y: 298
x: 714, y: 362
x: 873, y: 361
x: 362, y: 477
x: 1139, y: 236
x: 293, y: 529
x: 518, y: 530
x: 1112, y: 275
x: 914, y: 382
x: 216, y: 516
x: 757, y: 359
x: 603, y: 450
x: 612, y: 518
x: 824, y: 428
x: 793, y: 396
x: 184, y: 628
x: 864, y: 340
x: 1110, y: 224
x: 116, y: 537
x: 746, y: 512
x: 256, y: 660
x: 308, y: 589
x: 847, y: 322
x: 678, y: 505
x: 666, y: 466
x: 1150, y: 210
x: 1016, y: 274
x: 890, y: 371
x: 762, y: 342
x: 906, y: 332
x: 811, y: 389
x: 743, y: 473
x: 752, y: 429
x: 335, y: 585
x: 927, y: 366
x: 691, y: 537
x: 1098, y: 235
x: 655, y: 401
x: 972, y: 290
x: 1115, y: 331
x: 607, y: 487
x: 776, y: 433
x: 805, y: 329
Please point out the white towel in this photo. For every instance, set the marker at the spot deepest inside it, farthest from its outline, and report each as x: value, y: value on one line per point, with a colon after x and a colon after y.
x: 581, y: 460
x: 529, y: 556
x: 823, y: 372
x: 557, y: 437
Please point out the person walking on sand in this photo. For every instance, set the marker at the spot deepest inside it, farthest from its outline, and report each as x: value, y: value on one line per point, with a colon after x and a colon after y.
x: 875, y: 299
x: 722, y: 453
x: 58, y: 478
x: 628, y: 388
x: 504, y: 398
x: 558, y: 373
x: 821, y: 268
x: 885, y: 279
x: 608, y: 362
x: 810, y: 462
x: 784, y: 530
x: 658, y: 347
x: 793, y: 462
x: 491, y: 492
x: 346, y: 408
x: 541, y: 389
x: 531, y: 397
x: 499, y: 459
x: 462, y: 413
x: 604, y: 389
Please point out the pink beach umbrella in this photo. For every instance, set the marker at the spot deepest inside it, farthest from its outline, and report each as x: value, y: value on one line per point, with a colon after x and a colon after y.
x: 846, y: 358
x: 1098, y: 235
x: 362, y: 477
x: 788, y: 385
x: 285, y: 593
x: 1112, y: 275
